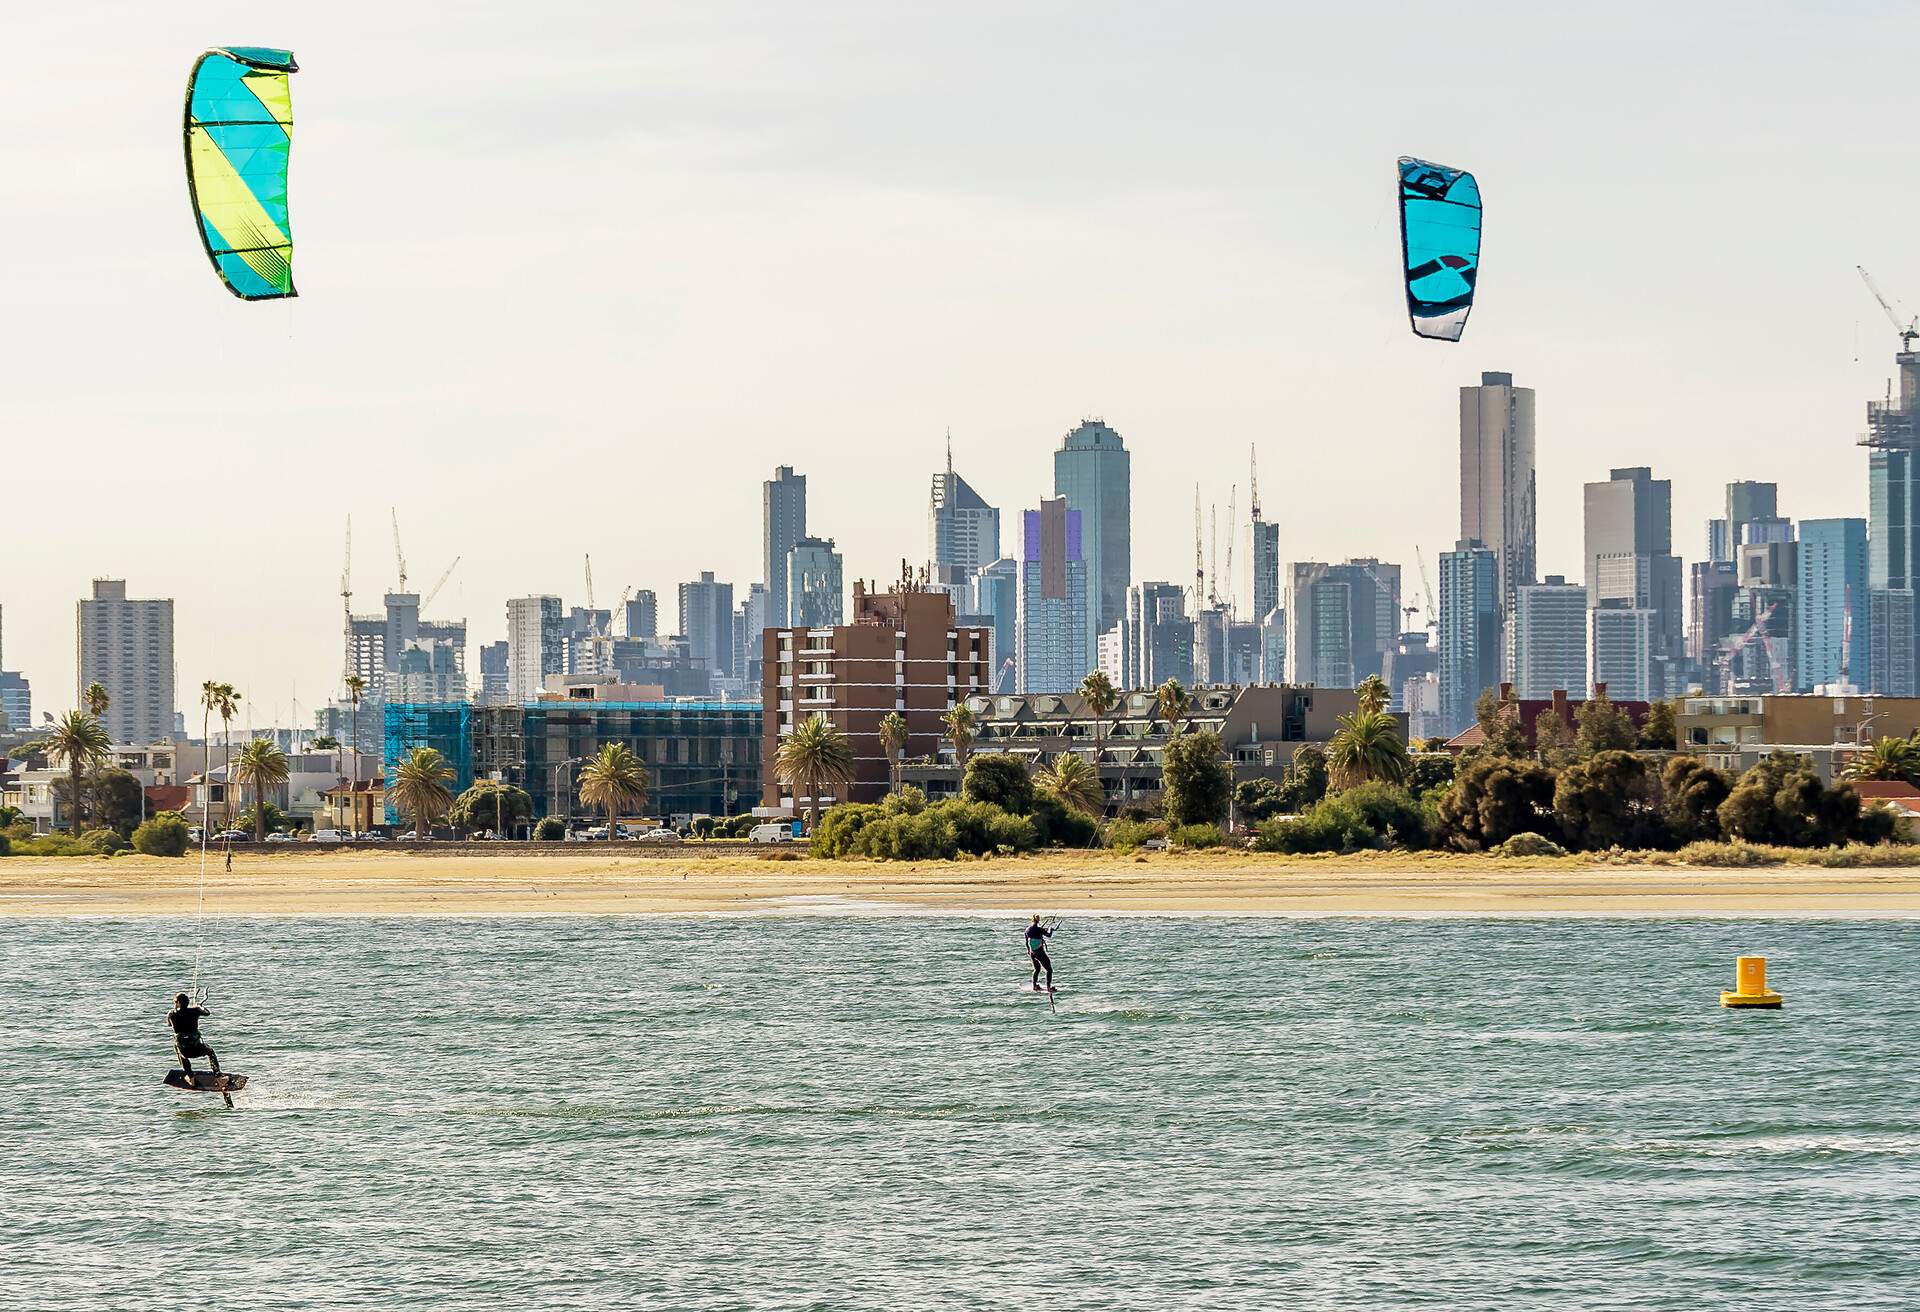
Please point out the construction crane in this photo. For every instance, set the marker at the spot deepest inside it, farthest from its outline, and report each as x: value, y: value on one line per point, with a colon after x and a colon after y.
x: 1738, y: 644
x: 346, y: 600
x: 626, y: 625
x: 399, y: 556
x: 1908, y: 330
x: 434, y: 591
x: 1426, y: 584
x: 1199, y: 556
x: 1233, y: 531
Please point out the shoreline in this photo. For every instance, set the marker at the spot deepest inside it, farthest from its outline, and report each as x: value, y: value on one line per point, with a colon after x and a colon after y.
x: 461, y: 884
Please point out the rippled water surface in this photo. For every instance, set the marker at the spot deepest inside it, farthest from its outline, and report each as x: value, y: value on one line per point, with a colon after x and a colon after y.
x: 872, y: 1112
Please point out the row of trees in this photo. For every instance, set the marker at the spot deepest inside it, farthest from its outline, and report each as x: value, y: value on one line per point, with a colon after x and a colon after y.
x: 615, y: 781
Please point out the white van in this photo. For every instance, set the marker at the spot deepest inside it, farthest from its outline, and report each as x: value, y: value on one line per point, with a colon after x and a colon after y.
x: 771, y: 833
x: 329, y: 836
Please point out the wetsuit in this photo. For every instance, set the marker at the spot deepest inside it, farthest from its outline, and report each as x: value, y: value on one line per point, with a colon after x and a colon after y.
x: 187, y: 1043
x: 1037, y: 936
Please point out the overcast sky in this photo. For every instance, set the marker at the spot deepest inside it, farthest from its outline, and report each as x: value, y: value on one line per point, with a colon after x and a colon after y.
x: 574, y: 277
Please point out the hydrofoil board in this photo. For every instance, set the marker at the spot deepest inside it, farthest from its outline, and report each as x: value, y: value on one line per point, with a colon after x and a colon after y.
x: 207, y: 1082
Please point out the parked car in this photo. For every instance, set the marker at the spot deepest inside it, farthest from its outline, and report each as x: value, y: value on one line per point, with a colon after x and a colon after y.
x: 660, y: 836
x: 281, y: 838
x: 232, y: 836
x: 771, y: 833
x: 327, y: 836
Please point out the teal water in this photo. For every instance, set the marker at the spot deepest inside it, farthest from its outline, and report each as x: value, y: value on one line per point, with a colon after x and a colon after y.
x: 871, y: 1112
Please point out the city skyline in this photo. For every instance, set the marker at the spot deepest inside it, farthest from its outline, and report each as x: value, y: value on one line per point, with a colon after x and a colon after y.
x: 1254, y: 304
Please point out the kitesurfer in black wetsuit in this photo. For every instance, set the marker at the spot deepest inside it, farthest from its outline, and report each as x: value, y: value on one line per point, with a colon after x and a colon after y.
x: 187, y: 1044
x: 1037, y: 936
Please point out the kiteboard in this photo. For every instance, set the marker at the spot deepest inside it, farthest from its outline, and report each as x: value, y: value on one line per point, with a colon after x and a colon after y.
x: 206, y: 1082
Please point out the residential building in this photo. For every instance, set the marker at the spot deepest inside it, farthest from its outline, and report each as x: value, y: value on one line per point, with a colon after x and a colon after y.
x: 1710, y: 590
x: 1529, y: 712
x: 535, y: 645
x: 494, y: 673
x: 1210, y: 658
x: 1629, y: 551
x: 902, y: 652
x: 706, y: 612
x: 374, y: 643
x: 1092, y: 471
x: 1549, y: 637
x: 1829, y: 730
x: 963, y: 531
x: 1261, y: 727
x: 126, y: 646
x: 1890, y: 651
x: 1622, y: 641
x: 1266, y: 566
x: 1419, y: 697
x: 1470, y: 655
x: 643, y: 614
x: 750, y: 620
x: 583, y: 632
x: 1830, y: 587
x: 1497, y: 494
x: 1157, y: 635
x: 427, y: 672
x: 816, y: 590
x: 1056, y: 648
x: 783, y: 523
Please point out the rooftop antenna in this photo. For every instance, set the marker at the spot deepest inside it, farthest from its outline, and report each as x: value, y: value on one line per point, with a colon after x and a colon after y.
x: 949, y: 448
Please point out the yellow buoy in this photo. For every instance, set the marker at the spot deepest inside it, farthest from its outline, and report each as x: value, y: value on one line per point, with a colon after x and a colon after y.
x: 1750, y: 985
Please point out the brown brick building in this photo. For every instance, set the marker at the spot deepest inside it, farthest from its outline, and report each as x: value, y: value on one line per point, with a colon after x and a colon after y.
x: 901, y: 652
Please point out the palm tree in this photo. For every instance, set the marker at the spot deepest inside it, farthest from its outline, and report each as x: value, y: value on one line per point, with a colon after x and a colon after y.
x: 355, y: 686
x: 616, y: 781
x: 262, y: 766
x: 96, y: 699
x: 1367, y: 747
x: 78, y: 738
x: 959, y: 722
x: 1100, y: 696
x: 893, y: 738
x: 813, y: 755
x: 1373, y: 694
x: 1174, y: 703
x: 221, y: 699
x: 1888, y: 758
x: 1074, y: 783
x: 420, y: 788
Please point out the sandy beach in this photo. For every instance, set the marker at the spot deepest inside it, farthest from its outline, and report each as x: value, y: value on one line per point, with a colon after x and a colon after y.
x: 399, y: 884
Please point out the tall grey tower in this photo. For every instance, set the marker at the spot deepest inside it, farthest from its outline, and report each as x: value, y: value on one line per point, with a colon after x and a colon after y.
x: 1093, y: 471
x: 1629, y: 549
x: 785, y: 523
x: 963, y: 531
x: 126, y: 646
x: 1497, y: 479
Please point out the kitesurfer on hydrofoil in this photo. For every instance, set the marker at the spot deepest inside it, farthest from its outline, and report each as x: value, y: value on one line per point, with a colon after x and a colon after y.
x: 187, y: 1044
x: 1037, y: 936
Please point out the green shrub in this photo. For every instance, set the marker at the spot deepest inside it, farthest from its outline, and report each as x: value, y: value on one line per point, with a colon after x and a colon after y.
x: 551, y: 829
x: 1258, y: 799
x: 54, y: 845
x: 840, y: 826
x: 103, y: 842
x: 1057, y: 825
x: 1195, y: 780
x: 1197, y: 836
x: 1529, y: 844
x: 908, y: 800
x: 999, y: 779
x: 1730, y: 856
x: 1324, y: 827
x: 938, y: 832
x: 164, y: 835
x: 1126, y: 834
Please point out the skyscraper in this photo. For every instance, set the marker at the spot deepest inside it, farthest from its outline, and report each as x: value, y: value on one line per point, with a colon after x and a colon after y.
x: 1265, y: 555
x: 1830, y: 632
x: 1320, y: 605
x: 1470, y: 656
x: 1549, y: 637
x: 816, y: 590
x: 495, y: 672
x: 126, y: 646
x: 1893, y: 530
x: 1157, y: 636
x: 995, y: 594
x: 643, y: 614
x: 706, y: 617
x: 1622, y: 642
x: 536, y: 645
x: 1094, y: 472
x: 1711, y: 587
x: 784, y: 522
x: 1497, y: 494
x: 1054, y: 600
x: 1629, y: 550
x: 963, y: 531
